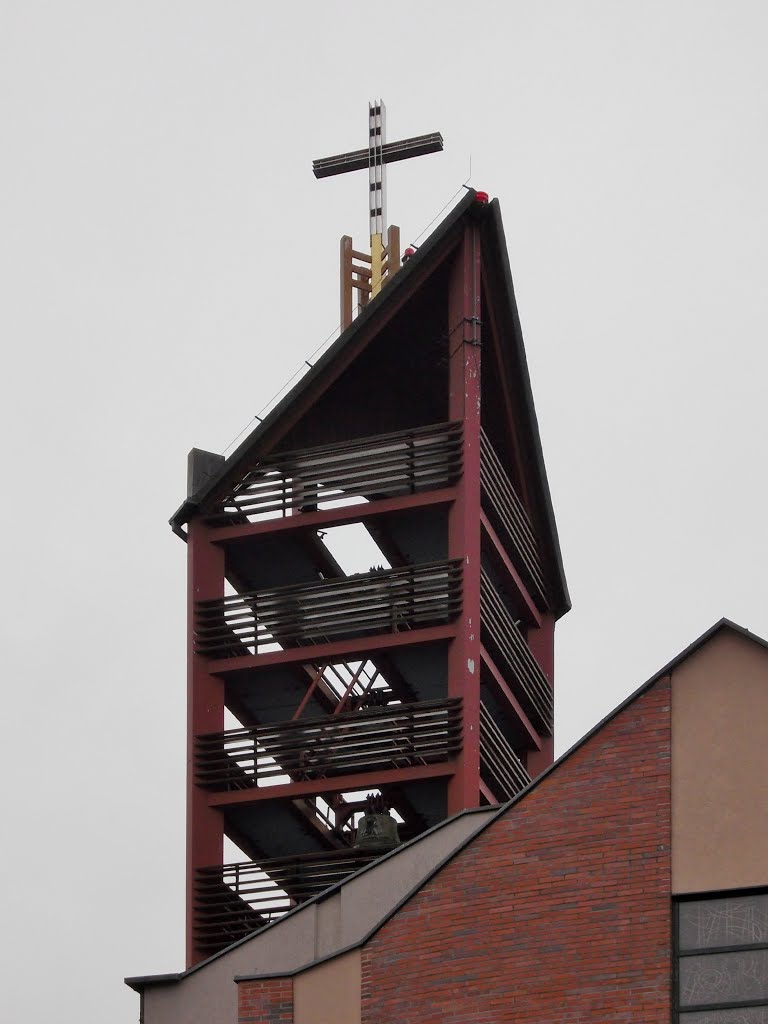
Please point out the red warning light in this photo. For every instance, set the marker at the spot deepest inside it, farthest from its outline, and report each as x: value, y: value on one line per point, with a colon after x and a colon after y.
x: 481, y: 197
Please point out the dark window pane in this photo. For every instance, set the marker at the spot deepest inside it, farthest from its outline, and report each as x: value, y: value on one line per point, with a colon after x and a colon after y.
x: 733, y: 921
x: 723, y: 977
x: 747, y: 1015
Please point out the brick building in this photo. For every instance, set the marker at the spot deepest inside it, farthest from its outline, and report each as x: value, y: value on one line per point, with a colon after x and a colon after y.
x: 627, y: 883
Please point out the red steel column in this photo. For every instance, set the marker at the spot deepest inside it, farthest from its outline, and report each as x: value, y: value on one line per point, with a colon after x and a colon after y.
x: 464, y: 516
x: 205, y: 713
x: 542, y: 644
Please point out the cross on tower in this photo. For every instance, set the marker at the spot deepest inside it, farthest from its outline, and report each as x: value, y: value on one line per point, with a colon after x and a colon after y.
x: 384, y: 260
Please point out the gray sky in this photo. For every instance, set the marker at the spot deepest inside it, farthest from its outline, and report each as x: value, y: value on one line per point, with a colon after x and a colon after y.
x: 168, y: 260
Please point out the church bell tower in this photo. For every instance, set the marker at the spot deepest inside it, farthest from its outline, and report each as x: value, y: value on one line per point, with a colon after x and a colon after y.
x: 323, y: 692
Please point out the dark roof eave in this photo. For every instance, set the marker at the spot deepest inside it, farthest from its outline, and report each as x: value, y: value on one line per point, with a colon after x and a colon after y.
x: 138, y: 984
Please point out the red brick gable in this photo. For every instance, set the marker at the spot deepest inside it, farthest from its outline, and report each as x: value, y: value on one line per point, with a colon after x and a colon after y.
x: 560, y: 911
x: 265, y: 1002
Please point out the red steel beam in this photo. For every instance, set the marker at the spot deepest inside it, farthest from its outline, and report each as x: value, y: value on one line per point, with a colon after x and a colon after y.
x: 326, y: 518
x: 331, y: 651
x: 504, y: 691
x: 316, y: 677
x: 337, y: 783
x: 513, y: 574
x: 360, y: 697
x: 464, y: 322
x: 340, y: 706
x: 205, y: 713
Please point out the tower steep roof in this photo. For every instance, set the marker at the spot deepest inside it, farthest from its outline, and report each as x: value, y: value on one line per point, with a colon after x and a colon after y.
x: 500, y: 308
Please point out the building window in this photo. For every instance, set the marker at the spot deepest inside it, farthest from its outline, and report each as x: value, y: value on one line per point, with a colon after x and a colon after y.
x: 722, y: 959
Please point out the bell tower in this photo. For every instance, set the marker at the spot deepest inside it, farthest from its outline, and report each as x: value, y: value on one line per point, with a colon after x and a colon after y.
x: 373, y: 579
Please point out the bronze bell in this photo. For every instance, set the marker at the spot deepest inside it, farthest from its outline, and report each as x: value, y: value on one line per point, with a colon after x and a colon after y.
x: 377, y: 829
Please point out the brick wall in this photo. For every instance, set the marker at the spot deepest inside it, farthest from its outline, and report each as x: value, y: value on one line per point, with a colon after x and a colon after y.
x: 265, y: 1002
x: 559, y: 912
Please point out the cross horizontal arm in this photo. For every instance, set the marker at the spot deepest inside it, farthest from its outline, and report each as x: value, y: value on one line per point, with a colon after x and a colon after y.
x: 420, y: 145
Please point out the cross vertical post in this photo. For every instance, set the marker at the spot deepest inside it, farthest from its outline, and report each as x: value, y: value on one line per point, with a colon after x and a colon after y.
x: 377, y: 183
x: 383, y: 261
x: 377, y: 188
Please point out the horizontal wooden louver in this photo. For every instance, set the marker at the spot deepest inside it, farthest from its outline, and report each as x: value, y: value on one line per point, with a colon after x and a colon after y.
x: 385, y: 601
x: 233, y: 900
x: 499, y: 764
x: 513, y: 656
x: 373, y: 739
x: 506, y: 510
x: 381, y: 466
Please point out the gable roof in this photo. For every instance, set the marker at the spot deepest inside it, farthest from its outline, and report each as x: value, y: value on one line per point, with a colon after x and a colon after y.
x: 723, y: 625
x: 499, y: 292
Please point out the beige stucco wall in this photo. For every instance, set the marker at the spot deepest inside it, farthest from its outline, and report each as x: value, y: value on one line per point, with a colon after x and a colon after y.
x: 209, y: 995
x: 720, y: 766
x: 329, y: 993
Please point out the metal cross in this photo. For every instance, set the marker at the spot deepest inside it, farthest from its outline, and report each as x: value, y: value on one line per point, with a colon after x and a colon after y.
x: 375, y: 157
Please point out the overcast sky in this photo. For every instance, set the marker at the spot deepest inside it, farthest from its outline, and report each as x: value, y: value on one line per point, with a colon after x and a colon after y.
x: 168, y: 260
